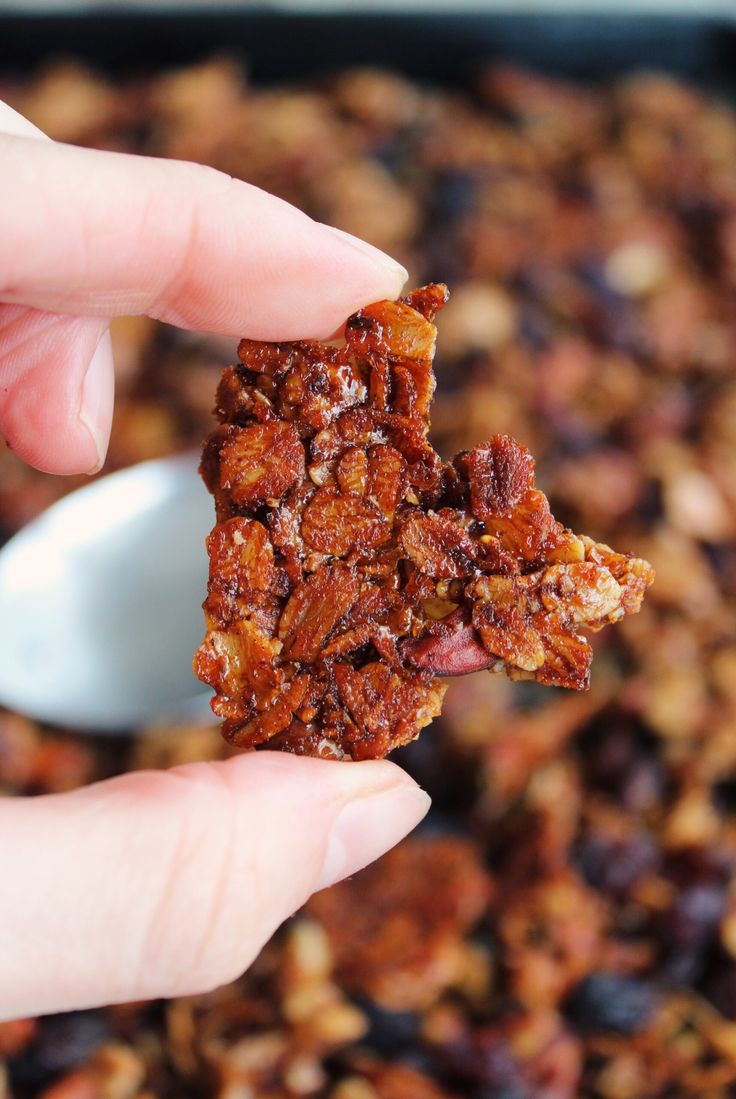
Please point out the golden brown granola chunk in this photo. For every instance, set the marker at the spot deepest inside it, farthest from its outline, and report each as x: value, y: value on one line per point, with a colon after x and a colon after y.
x: 350, y: 566
x: 397, y: 930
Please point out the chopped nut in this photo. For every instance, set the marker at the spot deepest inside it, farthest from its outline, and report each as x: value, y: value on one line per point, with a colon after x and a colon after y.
x: 499, y: 475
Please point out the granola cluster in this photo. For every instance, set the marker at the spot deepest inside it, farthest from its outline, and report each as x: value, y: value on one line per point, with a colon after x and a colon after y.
x: 406, y: 964
x: 565, y: 925
x: 349, y: 563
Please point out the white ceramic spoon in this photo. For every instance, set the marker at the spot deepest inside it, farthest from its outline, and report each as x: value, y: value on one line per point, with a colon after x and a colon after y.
x: 100, y: 601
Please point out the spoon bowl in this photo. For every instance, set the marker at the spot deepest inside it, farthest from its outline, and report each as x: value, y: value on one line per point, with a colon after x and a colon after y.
x: 100, y: 602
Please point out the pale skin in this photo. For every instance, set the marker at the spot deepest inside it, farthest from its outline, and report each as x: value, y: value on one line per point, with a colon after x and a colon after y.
x: 157, y: 884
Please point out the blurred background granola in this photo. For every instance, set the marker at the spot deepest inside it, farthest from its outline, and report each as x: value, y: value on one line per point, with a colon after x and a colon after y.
x: 564, y: 924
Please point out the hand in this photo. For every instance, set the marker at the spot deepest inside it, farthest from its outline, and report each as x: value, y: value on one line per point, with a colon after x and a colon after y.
x: 162, y: 883
x: 87, y: 235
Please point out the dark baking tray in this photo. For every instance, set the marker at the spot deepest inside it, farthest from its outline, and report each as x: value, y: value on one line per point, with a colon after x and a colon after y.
x: 444, y: 48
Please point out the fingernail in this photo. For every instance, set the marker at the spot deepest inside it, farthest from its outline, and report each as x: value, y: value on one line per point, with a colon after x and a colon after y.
x: 367, y: 827
x: 96, y: 403
x: 375, y: 254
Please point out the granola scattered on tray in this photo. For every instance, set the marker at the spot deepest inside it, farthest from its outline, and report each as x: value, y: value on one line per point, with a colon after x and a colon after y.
x: 349, y: 565
x: 590, y: 238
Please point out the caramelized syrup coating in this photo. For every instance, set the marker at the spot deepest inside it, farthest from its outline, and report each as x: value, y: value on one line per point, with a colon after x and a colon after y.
x: 350, y: 566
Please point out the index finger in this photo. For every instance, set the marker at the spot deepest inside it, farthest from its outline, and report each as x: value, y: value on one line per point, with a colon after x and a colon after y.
x: 100, y: 233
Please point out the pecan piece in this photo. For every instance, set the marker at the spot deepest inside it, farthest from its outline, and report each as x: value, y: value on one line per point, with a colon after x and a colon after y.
x: 452, y: 648
x: 499, y: 473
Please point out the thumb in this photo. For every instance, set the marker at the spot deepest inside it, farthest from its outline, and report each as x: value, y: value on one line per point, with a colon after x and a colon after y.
x: 158, y: 884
